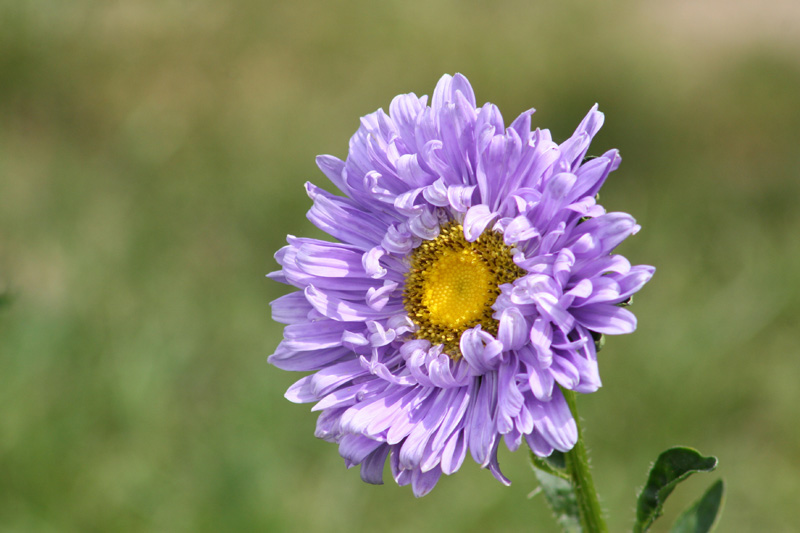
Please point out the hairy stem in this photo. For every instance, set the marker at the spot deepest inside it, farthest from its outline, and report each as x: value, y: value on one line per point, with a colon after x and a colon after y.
x: 577, y: 462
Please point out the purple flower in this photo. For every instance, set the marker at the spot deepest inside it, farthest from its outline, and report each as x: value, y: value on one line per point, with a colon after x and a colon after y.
x: 472, y: 275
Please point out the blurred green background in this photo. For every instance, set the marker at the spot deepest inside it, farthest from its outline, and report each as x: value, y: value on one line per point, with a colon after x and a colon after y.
x: 152, y: 156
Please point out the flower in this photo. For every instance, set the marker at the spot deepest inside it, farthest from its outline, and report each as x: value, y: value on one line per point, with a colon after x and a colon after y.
x: 473, y: 273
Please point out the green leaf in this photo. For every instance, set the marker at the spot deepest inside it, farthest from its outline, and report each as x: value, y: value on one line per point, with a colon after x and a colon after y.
x: 702, y: 516
x: 559, y: 494
x: 671, y: 467
x: 599, y: 340
x: 554, y: 464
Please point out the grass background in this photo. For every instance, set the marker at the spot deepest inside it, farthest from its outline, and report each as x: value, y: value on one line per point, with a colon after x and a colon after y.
x: 152, y: 155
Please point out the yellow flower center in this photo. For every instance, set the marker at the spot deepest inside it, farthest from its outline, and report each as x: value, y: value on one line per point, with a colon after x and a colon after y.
x: 452, y: 284
x: 457, y: 288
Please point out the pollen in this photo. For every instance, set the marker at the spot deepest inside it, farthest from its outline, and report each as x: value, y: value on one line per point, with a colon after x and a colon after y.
x: 452, y: 284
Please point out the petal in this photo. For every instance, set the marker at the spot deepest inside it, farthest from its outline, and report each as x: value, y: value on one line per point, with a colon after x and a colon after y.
x: 635, y: 280
x: 592, y: 174
x: 480, y: 350
x: 494, y: 468
x: 509, y: 398
x: 334, y: 376
x: 476, y: 220
x: 574, y: 149
x: 314, y: 335
x: 564, y: 372
x: 454, y: 452
x: 302, y: 361
x: 513, y: 330
x: 404, y: 111
x: 333, y: 167
x: 344, y: 310
x: 377, y: 298
x: 606, y: 318
x: 291, y: 308
x: 423, y: 482
x: 356, y: 448
x: 541, y: 382
x: 598, y: 236
x: 372, y: 466
x: 555, y: 423
x: 301, y: 391
x: 538, y: 444
x: 541, y: 338
x: 446, y: 88
x: 337, y: 217
x: 481, y: 427
x: 461, y: 197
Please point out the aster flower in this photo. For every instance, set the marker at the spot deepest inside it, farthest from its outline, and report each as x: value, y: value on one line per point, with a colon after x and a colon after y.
x: 472, y: 274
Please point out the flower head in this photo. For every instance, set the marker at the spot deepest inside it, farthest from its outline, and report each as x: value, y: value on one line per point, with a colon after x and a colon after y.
x: 472, y: 275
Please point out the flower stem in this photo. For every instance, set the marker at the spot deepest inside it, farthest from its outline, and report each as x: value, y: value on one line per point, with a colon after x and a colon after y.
x: 577, y: 462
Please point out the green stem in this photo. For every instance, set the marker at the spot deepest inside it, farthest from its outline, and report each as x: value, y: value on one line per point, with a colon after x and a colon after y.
x: 577, y: 461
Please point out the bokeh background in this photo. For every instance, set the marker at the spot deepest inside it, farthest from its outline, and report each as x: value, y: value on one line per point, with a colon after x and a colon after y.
x: 152, y: 156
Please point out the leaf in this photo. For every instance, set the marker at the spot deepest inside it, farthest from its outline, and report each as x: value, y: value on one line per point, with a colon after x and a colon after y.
x: 671, y: 467
x: 559, y: 494
x: 599, y: 340
x: 554, y: 464
x: 702, y: 516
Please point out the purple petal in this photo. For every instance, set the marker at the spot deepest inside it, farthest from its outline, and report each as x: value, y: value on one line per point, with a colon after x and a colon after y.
x: 564, y: 372
x: 606, y: 318
x: 574, y: 149
x: 314, y: 335
x: 538, y: 444
x: 541, y: 382
x: 480, y: 350
x: 404, y: 111
x: 494, y: 467
x: 600, y: 235
x: 478, y: 217
x: 301, y: 391
x: 555, y: 423
x: 334, y: 376
x: 592, y: 174
x: 344, y: 310
x: 356, y: 448
x: 302, y: 361
x: 481, y: 427
x: 454, y: 452
x: 635, y: 280
x: 291, y: 308
x: 461, y: 197
x: 541, y: 338
x: 423, y: 482
x: 333, y: 167
x: 509, y: 398
x: 372, y: 466
x: 377, y: 298
x: 513, y: 330
x: 455, y: 409
x: 336, y: 217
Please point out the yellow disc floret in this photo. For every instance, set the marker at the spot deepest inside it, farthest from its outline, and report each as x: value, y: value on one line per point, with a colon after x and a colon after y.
x: 457, y: 288
x: 452, y: 284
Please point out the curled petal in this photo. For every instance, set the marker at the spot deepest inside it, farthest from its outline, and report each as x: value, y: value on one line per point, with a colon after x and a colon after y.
x: 513, y: 329
x: 377, y: 298
x: 606, y: 318
x: 476, y: 220
x: 371, y: 262
x: 481, y: 350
